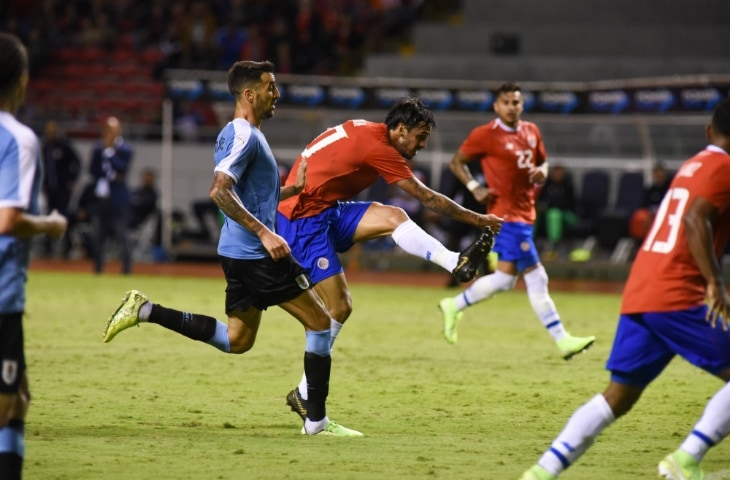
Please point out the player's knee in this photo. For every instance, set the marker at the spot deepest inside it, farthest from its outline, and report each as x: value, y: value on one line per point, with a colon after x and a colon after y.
x: 393, y: 216
x: 536, y: 280
x: 242, y: 344
x: 340, y: 311
x: 503, y: 282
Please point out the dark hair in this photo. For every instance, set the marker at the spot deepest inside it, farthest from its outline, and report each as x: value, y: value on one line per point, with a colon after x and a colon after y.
x: 507, y: 87
x: 721, y: 118
x: 13, y: 62
x: 246, y: 73
x: 410, y: 111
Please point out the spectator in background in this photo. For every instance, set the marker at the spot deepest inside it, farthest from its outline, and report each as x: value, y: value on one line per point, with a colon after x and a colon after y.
x: 80, y: 230
x: 143, y: 200
x: 556, y: 205
x: 61, y: 166
x: 654, y: 194
x: 641, y: 219
x: 110, y: 162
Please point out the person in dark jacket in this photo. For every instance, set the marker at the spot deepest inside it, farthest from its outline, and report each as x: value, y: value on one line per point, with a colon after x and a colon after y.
x: 111, y: 159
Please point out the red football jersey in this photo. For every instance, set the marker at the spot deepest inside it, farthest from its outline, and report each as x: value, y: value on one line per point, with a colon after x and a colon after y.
x: 664, y: 275
x: 507, y: 156
x: 342, y: 162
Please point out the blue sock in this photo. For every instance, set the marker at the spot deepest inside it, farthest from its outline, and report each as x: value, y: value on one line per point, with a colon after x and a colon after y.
x: 319, y: 343
x: 11, y: 438
x: 220, y: 338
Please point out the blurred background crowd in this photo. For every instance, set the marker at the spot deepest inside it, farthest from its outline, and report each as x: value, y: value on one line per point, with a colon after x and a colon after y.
x: 329, y: 36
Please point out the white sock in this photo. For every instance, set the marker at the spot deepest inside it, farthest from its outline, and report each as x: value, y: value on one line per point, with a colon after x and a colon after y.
x: 315, y: 427
x: 713, y: 426
x: 335, y: 328
x: 584, y: 426
x: 537, y: 291
x: 415, y: 241
x: 485, y: 287
x: 144, y: 312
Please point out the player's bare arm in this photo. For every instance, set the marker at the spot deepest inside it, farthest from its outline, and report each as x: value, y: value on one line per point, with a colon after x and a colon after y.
x: 298, y: 185
x: 444, y: 205
x: 226, y: 199
x: 698, y: 231
x: 13, y: 221
x: 481, y: 193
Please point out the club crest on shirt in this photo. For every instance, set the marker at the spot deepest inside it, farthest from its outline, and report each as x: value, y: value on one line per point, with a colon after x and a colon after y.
x: 509, y: 146
x: 323, y: 263
x: 525, y: 246
x: 10, y: 371
x: 532, y: 141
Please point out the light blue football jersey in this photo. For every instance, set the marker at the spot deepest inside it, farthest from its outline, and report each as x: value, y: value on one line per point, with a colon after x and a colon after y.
x: 20, y: 184
x: 242, y: 152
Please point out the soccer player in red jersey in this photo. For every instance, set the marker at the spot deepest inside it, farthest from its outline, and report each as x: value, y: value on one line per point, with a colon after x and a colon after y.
x: 321, y: 221
x: 514, y: 162
x: 674, y: 303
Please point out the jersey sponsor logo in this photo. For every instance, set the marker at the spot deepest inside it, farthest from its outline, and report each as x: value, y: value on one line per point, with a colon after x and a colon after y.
x: 323, y: 263
x: 10, y: 371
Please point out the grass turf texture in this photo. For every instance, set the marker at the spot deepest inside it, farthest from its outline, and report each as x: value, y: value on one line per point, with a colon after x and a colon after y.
x: 154, y: 405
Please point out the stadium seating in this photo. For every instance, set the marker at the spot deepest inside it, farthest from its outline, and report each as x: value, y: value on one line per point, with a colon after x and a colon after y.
x: 613, y: 224
x: 565, y: 40
x: 592, y: 202
x: 81, y: 85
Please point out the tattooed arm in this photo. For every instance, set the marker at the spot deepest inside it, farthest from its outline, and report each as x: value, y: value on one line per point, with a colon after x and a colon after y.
x: 226, y: 199
x: 444, y: 205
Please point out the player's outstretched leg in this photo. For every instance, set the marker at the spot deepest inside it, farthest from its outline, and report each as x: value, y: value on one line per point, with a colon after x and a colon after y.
x: 537, y: 473
x: 570, y: 346
x: 680, y: 466
x: 297, y: 404
x: 126, y: 315
x: 473, y: 256
x: 451, y: 316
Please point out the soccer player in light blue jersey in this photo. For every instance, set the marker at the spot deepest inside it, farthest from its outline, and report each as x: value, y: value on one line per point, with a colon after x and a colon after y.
x: 20, y: 183
x: 257, y: 262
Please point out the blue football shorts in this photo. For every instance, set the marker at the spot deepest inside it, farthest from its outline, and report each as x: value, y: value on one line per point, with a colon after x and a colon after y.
x: 645, y: 343
x: 315, y: 241
x: 514, y: 243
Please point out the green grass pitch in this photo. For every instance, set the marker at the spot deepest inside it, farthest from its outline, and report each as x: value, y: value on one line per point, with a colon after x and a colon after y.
x: 154, y: 405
